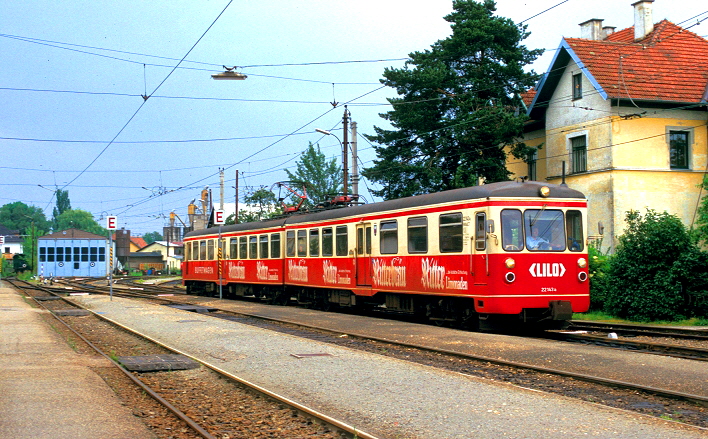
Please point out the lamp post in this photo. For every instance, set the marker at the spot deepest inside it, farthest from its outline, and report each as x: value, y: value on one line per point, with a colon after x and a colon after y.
x: 344, y: 157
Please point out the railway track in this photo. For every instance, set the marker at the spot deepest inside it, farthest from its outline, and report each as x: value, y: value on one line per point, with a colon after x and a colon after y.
x: 323, y: 425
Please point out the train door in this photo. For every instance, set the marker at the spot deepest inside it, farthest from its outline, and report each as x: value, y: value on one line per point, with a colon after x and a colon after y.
x: 363, y: 254
x: 480, y: 257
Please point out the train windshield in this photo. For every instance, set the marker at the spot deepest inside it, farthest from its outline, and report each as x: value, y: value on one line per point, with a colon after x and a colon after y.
x: 541, y: 230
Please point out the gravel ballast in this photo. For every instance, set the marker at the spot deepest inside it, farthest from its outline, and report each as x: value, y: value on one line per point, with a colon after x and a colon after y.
x: 383, y: 396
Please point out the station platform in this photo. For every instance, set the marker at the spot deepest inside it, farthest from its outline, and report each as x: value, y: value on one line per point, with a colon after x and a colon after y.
x: 47, y: 390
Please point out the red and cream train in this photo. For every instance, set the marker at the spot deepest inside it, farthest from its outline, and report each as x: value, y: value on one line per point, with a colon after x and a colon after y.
x: 502, y: 253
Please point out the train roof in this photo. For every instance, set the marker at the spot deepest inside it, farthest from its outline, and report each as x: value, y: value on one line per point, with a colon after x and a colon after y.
x: 505, y: 189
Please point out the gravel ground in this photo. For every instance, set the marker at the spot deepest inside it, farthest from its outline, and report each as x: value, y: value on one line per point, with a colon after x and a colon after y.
x: 399, y: 398
x: 224, y: 408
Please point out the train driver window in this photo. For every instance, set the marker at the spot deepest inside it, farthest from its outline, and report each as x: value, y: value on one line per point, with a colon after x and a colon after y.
x: 451, y: 232
x: 574, y: 228
x: 263, y: 240
x: 544, y: 230
x: 242, y: 247
x: 290, y: 243
x: 275, y: 245
x: 327, y: 247
x: 418, y: 235
x: 512, y: 236
x: 389, y: 237
x: 342, y: 241
x: 314, y: 242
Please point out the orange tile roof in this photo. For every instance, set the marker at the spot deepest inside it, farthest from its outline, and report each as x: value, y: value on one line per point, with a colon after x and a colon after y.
x: 138, y: 241
x: 670, y: 64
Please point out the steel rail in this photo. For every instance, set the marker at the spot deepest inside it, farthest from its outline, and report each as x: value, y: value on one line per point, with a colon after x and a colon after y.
x: 190, y: 422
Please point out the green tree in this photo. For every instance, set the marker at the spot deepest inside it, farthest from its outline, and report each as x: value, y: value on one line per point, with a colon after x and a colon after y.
x: 458, y: 106
x: 657, y: 272
x: 63, y: 204
x: 19, y: 216
x: 262, y: 205
x: 151, y: 237
x: 320, y: 176
x: 79, y: 219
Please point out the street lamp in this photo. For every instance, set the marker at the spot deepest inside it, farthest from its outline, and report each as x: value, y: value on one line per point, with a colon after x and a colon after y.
x: 229, y: 73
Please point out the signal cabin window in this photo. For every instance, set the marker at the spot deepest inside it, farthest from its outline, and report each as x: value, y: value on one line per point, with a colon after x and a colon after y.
x: 84, y: 254
x: 43, y: 254
x: 233, y: 248
x: 678, y: 149
x: 512, y: 234
x: 290, y: 243
x: 389, y: 237
x: 243, y: 247
x: 275, y: 245
x: 451, y: 232
x: 60, y: 254
x: 314, y: 242
x: 418, y: 235
x: 545, y: 230
x: 67, y: 254
x: 263, y: 250
x: 302, y: 243
x: 50, y: 254
x: 202, y: 251
x: 210, y: 250
x: 253, y: 247
x: 101, y: 254
x: 93, y: 254
x: 342, y: 241
x: 77, y: 254
x: 480, y: 236
x: 327, y: 242
x: 574, y: 228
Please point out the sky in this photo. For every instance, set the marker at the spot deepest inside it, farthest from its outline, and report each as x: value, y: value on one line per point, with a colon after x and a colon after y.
x: 74, y: 74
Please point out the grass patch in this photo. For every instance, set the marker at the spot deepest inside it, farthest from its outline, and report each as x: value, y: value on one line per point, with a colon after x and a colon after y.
x: 599, y: 316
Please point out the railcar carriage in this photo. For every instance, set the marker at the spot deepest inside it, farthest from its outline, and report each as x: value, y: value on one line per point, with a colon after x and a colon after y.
x: 504, y: 254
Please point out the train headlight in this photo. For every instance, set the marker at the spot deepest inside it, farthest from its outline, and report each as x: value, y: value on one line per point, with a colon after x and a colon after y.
x: 582, y: 263
x: 510, y: 263
x: 545, y: 191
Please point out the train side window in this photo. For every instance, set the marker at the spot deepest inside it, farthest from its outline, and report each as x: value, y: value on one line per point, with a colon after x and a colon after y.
x: 314, y: 242
x: 210, y: 250
x: 302, y: 243
x: 290, y: 243
x: 202, y: 250
x: 342, y: 241
x: 233, y: 248
x: 512, y: 236
x: 242, y: 248
x: 195, y: 250
x: 263, y: 250
x: 574, y: 229
x: 327, y: 247
x: 480, y: 236
x: 418, y: 235
x: 389, y: 237
x: 253, y: 247
x: 275, y: 245
x: 451, y: 232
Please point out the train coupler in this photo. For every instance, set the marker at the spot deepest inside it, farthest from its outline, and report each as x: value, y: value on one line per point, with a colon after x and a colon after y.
x: 561, y: 310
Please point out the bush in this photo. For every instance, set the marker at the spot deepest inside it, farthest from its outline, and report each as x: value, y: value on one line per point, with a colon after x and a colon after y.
x: 657, y: 273
x: 599, y: 264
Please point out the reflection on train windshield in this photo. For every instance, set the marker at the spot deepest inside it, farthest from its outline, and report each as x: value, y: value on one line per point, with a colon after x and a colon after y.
x: 541, y: 230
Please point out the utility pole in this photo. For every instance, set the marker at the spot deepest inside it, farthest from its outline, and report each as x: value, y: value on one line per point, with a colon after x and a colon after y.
x: 221, y: 182
x: 236, y: 213
x: 345, y: 148
x: 355, y: 163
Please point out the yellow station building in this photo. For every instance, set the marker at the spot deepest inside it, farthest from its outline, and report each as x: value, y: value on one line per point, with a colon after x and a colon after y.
x: 625, y: 112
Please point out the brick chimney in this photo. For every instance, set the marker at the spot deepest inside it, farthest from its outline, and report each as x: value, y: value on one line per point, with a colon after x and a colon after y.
x: 643, y: 22
x: 591, y: 29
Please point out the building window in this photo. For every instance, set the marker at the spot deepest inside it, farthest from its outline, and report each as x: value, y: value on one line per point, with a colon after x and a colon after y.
x: 531, y: 162
x: 577, y: 86
x: 579, y: 154
x: 678, y: 149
